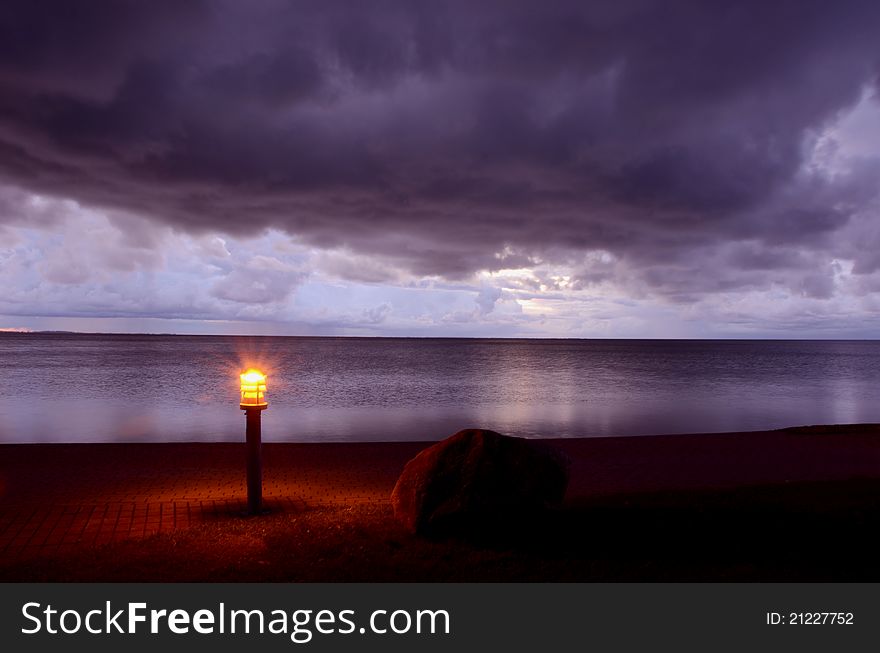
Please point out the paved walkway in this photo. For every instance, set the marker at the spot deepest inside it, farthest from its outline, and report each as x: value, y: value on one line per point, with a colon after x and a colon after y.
x: 55, y: 497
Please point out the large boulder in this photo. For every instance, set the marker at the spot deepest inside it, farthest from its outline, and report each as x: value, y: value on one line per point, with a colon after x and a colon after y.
x: 478, y: 478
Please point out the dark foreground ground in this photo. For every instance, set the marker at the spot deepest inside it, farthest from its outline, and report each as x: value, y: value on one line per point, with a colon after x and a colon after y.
x: 792, y: 505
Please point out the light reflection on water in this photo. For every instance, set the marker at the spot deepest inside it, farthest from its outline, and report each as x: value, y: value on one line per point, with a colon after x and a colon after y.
x: 56, y: 388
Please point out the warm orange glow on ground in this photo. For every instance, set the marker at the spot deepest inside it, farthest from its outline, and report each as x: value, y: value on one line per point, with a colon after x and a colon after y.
x: 253, y: 388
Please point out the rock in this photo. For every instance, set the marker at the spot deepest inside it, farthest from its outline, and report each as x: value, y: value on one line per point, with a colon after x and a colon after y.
x: 478, y: 477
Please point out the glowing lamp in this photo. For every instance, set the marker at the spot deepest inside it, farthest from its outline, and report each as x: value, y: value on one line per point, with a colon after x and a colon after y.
x: 253, y: 403
x: 253, y: 390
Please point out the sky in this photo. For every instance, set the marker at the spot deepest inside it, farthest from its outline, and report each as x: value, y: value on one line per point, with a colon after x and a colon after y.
x: 630, y: 168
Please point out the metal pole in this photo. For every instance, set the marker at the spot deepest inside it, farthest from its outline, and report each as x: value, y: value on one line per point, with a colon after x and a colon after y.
x: 254, y: 461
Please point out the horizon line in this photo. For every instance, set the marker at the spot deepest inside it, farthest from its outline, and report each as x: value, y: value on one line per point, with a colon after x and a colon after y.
x: 401, y: 337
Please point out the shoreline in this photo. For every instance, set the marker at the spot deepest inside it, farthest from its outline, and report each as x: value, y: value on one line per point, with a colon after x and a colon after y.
x: 67, y: 510
x: 600, y: 465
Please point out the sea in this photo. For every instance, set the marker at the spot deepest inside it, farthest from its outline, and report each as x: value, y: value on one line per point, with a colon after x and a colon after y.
x: 152, y: 388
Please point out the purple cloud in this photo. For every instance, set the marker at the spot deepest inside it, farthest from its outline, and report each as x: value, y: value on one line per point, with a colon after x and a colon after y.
x: 674, y: 148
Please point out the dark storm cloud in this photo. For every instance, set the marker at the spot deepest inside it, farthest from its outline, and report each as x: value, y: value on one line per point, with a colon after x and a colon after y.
x: 453, y: 136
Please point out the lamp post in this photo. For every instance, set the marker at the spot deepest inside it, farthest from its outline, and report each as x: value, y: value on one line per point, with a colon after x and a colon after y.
x: 253, y: 403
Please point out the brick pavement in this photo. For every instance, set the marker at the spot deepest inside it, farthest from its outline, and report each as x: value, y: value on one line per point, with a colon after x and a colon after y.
x: 60, y: 497
x: 57, y: 496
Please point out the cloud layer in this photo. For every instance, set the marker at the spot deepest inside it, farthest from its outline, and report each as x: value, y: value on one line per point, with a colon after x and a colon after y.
x: 724, y: 156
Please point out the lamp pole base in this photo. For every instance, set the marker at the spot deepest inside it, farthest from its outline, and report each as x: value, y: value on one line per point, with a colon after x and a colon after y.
x: 254, y: 461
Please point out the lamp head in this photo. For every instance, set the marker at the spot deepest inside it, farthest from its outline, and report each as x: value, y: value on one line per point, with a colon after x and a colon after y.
x: 253, y: 390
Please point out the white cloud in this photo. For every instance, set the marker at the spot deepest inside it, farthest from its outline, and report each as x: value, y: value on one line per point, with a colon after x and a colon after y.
x: 63, y: 265
x: 260, y: 280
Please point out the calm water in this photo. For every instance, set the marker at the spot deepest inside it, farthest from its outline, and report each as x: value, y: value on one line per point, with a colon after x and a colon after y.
x: 63, y: 388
